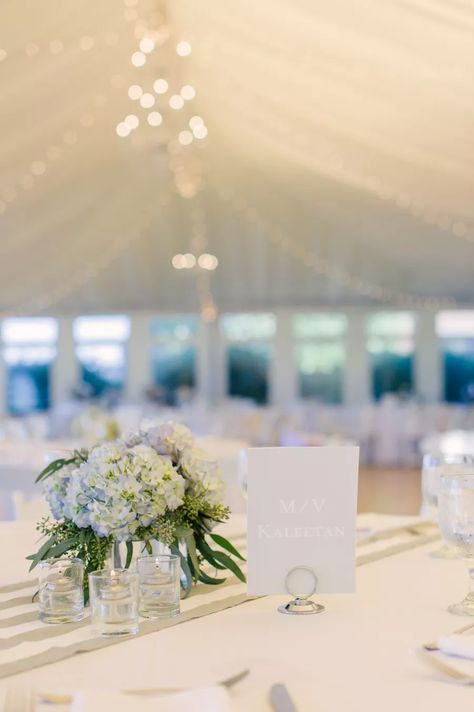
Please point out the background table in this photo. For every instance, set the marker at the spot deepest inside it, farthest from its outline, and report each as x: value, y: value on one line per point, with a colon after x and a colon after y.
x: 353, y: 657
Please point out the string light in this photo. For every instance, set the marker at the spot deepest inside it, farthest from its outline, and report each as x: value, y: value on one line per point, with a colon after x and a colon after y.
x: 188, y: 92
x: 185, y: 138
x: 86, y: 43
x: 155, y: 118
x: 160, y: 86
x: 122, y: 130
x: 138, y: 59
x: 147, y: 45
x: 147, y: 101
x: 322, y: 266
x: 205, y: 261
x: 86, y: 272
x: 38, y: 168
x: 31, y: 49
x: 135, y: 92
x: 196, y: 121
x: 200, y: 132
x: 132, y: 121
x: 208, y: 261
x: 176, y: 102
x: 183, y: 49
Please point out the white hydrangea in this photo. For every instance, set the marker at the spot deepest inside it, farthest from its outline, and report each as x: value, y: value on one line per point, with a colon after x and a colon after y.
x: 170, y: 439
x: 119, y: 489
x: 55, y: 488
x: 203, y: 474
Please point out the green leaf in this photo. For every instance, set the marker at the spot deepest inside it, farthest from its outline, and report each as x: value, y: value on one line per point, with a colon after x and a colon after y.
x: 204, y: 578
x: 191, y: 544
x: 207, y: 552
x: 50, y: 469
x: 55, y: 466
x: 128, y: 560
x: 61, y: 548
x: 42, y: 551
x: 225, y: 544
x: 229, y: 564
x: 174, y: 548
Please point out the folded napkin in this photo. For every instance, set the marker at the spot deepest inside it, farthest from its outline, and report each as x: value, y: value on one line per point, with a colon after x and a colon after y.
x: 456, y: 644
x: 211, y: 699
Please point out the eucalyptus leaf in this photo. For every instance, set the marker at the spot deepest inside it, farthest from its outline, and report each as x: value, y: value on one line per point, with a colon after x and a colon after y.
x: 204, y: 578
x: 191, y: 544
x: 225, y: 544
x: 128, y: 560
x: 174, y: 548
x: 61, y: 548
x: 229, y: 564
x: 207, y: 552
x: 42, y: 551
x: 50, y: 469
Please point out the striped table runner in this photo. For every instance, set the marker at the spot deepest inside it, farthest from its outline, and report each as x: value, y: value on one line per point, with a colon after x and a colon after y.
x: 27, y: 643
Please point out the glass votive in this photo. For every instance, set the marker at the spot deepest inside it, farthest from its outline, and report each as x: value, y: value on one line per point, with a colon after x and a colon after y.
x: 159, y: 586
x: 114, y: 601
x: 61, y: 592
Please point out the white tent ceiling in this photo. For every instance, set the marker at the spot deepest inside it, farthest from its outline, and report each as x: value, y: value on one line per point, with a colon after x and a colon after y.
x: 338, y: 167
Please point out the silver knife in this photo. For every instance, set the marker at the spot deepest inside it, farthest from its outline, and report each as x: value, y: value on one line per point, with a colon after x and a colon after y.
x: 280, y: 699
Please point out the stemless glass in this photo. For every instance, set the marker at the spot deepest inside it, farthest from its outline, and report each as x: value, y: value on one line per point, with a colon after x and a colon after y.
x: 159, y: 586
x: 435, y: 465
x: 61, y: 595
x: 456, y: 521
x: 114, y: 601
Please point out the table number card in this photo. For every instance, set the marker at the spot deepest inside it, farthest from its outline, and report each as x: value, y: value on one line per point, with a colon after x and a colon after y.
x: 302, y: 504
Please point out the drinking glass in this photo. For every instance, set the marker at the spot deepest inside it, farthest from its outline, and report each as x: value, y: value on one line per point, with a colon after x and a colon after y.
x: 456, y: 521
x: 159, y: 592
x: 435, y: 465
x: 114, y: 601
x: 61, y: 592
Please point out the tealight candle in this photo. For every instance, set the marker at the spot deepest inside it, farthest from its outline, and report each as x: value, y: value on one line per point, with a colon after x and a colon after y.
x: 61, y: 598
x: 159, y: 586
x: 114, y: 601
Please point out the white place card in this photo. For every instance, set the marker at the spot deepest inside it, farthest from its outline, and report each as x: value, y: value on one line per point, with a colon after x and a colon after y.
x: 302, y: 504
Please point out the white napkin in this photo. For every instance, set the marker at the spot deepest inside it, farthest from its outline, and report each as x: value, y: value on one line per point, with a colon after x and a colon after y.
x: 211, y: 699
x: 457, y: 644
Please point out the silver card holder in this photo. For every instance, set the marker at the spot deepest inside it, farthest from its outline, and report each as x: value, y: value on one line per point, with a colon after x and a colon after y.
x: 300, y: 605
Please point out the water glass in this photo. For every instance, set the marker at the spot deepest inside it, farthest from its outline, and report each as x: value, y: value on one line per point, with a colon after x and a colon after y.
x: 114, y: 601
x: 456, y: 521
x: 61, y: 591
x: 435, y: 465
x: 159, y: 585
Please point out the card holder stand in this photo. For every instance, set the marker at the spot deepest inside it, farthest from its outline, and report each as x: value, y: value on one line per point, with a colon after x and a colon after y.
x: 300, y: 605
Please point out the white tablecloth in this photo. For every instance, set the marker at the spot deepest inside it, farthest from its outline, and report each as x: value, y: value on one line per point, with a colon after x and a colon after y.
x: 354, y: 657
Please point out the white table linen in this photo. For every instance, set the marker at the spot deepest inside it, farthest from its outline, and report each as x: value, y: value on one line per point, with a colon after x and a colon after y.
x: 354, y: 656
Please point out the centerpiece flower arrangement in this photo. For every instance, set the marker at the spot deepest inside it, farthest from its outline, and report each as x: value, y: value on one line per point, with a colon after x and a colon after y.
x: 155, y: 485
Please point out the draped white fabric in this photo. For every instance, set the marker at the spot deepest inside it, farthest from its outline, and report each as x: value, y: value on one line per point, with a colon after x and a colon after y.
x: 338, y: 166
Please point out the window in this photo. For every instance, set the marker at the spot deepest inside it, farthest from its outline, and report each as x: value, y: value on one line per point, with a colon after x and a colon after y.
x: 29, y: 350
x: 391, y: 351
x: 456, y: 331
x: 100, y: 343
x: 174, y: 357
x: 320, y: 355
x: 248, y: 352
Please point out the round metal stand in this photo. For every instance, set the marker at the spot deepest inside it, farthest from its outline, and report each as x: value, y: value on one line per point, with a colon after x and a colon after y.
x: 300, y: 605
